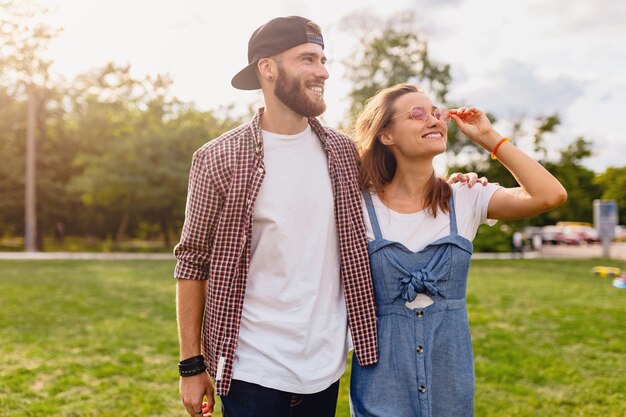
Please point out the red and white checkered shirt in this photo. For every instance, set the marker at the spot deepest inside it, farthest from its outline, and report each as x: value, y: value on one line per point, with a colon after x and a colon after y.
x: 225, y: 178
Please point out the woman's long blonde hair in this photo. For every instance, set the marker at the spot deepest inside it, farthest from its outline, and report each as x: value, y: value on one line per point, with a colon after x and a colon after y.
x: 378, y: 165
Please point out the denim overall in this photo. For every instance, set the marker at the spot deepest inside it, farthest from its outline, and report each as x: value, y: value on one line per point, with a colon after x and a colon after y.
x: 425, y: 366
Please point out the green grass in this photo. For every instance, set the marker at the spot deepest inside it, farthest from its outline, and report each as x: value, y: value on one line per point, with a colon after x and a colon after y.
x: 98, y: 338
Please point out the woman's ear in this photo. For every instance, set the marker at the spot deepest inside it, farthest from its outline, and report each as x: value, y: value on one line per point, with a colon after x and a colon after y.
x: 385, y: 138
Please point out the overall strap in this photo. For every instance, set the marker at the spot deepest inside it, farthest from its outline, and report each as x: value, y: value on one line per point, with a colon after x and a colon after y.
x: 453, y: 228
x: 372, y: 213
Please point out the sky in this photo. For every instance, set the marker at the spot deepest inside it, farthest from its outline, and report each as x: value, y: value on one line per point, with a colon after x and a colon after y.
x: 514, y: 59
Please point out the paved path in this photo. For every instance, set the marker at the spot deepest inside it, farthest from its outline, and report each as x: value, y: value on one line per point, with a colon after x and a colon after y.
x: 618, y: 251
x: 84, y: 255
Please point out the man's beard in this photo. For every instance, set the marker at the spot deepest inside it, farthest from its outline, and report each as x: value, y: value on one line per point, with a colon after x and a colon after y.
x: 292, y: 93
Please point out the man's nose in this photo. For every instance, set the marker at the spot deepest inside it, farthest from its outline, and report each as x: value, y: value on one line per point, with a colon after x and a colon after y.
x: 322, y: 72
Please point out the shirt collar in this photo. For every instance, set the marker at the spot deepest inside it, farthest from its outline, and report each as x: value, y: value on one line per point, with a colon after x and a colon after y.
x: 257, y: 137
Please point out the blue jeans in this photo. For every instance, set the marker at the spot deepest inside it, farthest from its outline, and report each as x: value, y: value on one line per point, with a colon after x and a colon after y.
x: 251, y: 400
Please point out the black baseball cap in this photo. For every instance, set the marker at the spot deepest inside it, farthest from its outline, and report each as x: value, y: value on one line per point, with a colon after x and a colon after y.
x: 275, y: 36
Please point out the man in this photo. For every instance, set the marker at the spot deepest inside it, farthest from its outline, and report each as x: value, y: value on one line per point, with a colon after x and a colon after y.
x: 272, y: 263
x: 274, y: 213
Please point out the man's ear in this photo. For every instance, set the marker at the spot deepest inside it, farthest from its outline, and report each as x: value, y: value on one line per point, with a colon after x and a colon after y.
x: 266, y: 69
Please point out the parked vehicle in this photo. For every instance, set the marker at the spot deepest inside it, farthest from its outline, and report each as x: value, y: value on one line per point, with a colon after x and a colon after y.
x: 565, y: 224
x: 588, y: 234
x: 550, y: 234
x: 568, y: 235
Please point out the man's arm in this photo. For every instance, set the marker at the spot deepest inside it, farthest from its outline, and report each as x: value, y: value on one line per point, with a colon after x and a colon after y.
x: 193, y: 253
x: 190, y: 300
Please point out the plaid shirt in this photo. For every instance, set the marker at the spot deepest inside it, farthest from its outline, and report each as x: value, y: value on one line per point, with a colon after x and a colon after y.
x: 225, y: 178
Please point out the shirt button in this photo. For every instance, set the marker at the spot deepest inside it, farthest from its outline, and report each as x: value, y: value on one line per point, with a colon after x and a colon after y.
x: 422, y: 388
x: 419, y: 313
x: 420, y: 349
x: 260, y: 170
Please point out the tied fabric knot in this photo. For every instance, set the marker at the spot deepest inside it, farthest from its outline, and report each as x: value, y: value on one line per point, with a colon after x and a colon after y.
x: 422, y: 281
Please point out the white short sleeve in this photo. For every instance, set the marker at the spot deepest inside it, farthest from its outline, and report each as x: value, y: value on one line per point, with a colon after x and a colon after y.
x: 416, y: 230
x: 471, y: 206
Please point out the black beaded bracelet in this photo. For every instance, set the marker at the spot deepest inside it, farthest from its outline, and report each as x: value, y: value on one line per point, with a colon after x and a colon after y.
x: 192, y: 372
x: 191, y: 366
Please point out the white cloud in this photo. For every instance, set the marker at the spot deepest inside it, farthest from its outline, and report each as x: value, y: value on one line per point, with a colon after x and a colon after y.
x: 513, y: 89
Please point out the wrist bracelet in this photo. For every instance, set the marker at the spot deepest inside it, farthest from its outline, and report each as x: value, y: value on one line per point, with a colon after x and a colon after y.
x: 192, y: 360
x: 495, y: 148
x: 191, y: 366
x: 192, y: 372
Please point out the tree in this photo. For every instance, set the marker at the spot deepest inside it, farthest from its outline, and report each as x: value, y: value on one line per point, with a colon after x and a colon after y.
x: 548, y: 124
x: 579, y: 182
x: 23, y: 44
x: 137, y: 142
x: 613, y: 185
x: 390, y: 52
x: 12, y: 136
x: 25, y: 72
x: 568, y: 169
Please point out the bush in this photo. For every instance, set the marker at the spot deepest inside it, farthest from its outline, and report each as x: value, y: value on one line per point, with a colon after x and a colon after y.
x: 493, y: 239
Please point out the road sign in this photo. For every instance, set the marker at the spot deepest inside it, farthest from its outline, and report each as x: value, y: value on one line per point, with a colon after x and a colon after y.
x: 605, y: 217
x: 605, y: 220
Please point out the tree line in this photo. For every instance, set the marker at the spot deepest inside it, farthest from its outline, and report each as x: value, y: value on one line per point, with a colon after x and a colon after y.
x: 114, y: 150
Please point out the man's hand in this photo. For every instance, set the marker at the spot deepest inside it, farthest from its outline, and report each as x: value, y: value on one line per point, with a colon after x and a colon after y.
x: 470, y: 178
x: 192, y: 390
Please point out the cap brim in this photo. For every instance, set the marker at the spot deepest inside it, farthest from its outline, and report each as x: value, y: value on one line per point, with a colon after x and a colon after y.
x: 246, y: 78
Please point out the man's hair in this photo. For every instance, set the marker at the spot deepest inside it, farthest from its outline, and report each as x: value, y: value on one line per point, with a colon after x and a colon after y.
x: 313, y: 28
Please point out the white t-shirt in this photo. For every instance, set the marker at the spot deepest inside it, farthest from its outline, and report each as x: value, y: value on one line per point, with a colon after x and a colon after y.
x: 294, y: 320
x: 417, y: 230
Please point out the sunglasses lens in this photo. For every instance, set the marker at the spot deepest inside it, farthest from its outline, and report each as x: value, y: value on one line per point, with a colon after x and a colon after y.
x: 418, y: 113
x: 441, y: 113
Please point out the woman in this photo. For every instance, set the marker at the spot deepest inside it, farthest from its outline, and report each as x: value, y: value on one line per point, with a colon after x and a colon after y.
x: 420, y: 231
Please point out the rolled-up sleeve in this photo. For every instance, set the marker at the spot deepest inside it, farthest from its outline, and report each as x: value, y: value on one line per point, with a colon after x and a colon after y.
x: 202, y: 212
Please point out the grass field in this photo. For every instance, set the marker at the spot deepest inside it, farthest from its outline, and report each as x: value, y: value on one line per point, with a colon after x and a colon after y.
x: 98, y: 338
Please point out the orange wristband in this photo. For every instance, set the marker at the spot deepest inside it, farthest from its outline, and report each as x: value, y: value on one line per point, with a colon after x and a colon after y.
x: 495, y: 148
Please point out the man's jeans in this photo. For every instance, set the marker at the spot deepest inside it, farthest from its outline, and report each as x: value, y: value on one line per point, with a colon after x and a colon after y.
x: 251, y: 400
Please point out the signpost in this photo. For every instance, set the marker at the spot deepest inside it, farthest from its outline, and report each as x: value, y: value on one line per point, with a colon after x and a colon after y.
x: 605, y: 220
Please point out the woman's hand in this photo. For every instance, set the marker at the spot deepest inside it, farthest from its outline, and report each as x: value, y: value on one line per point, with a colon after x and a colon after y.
x: 476, y: 126
x: 470, y: 179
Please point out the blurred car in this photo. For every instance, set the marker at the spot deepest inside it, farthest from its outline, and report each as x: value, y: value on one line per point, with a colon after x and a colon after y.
x: 570, y: 236
x: 567, y: 235
x: 549, y: 234
x: 588, y: 234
